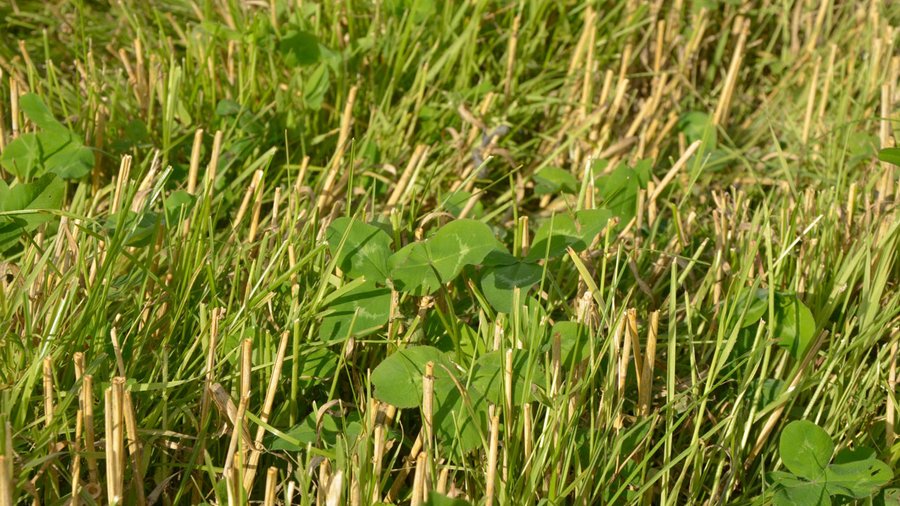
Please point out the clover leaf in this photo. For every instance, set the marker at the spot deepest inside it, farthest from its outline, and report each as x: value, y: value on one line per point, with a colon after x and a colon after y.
x: 563, y: 231
x: 552, y: 180
x: 361, y: 249
x: 807, y: 450
x: 53, y: 149
x: 422, y: 267
x: 19, y: 206
x: 499, y: 282
x: 460, y: 417
x: 359, y: 311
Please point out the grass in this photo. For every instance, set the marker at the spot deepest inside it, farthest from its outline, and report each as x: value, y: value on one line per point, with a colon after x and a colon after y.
x: 162, y: 326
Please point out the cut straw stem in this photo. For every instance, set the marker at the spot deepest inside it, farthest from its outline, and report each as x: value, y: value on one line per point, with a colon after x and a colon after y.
x: 271, y: 485
x: 491, y: 480
x: 115, y: 441
x: 272, y: 389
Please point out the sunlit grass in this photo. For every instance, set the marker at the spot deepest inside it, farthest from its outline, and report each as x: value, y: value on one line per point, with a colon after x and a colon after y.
x: 171, y: 325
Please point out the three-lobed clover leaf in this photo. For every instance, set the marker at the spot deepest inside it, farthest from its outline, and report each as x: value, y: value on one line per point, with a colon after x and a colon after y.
x: 807, y: 450
x: 422, y: 267
x: 53, y: 149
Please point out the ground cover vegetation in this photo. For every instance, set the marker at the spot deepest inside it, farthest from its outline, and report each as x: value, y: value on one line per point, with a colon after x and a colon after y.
x: 449, y: 253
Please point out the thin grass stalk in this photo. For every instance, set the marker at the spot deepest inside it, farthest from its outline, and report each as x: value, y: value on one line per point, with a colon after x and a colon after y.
x: 49, y: 412
x: 891, y: 409
x: 428, y: 422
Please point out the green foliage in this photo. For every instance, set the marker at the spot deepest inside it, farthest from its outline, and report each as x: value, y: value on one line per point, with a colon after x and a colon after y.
x: 361, y: 249
x: 53, y: 149
x: 460, y: 414
x: 358, y: 311
x: 698, y: 126
x: 299, y: 48
x: 422, y: 267
x: 436, y: 499
x: 177, y: 206
x: 20, y: 206
x: 574, y: 342
x: 619, y: 189
x: 398, y: 378
x: 499, y: 282
x: 552, y: 180
x: 315, y: 86
x: 318, y: 364
x: 456, y: 202
x: 489, y: 370
x: 271, y: 83
x: 807, y: 451
x: 137, y: 229
x: 890, y: 155
x: 563, y: 231
x: 322, y: 432
x: 794, y: 325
